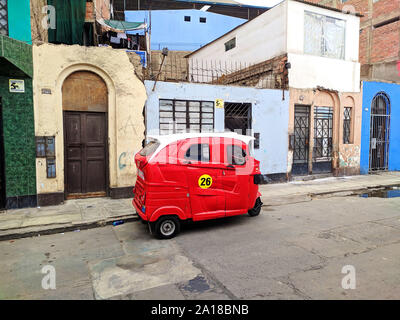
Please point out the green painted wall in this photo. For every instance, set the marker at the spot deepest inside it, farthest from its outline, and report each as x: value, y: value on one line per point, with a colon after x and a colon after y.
x: 19, y: 138
x: 18, y: 124
x: 19, y: 20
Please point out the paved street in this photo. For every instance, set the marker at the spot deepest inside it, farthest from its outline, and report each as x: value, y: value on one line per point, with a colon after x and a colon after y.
x: 292, y: 251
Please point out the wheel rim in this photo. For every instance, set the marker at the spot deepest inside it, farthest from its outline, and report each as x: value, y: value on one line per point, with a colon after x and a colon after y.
x: 167, y: 227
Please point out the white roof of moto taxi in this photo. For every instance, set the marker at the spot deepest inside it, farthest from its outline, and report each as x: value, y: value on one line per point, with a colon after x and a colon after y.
x: 165, y: 140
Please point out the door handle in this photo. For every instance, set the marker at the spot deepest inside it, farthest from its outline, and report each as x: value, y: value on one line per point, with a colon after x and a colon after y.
x: 230, y: 166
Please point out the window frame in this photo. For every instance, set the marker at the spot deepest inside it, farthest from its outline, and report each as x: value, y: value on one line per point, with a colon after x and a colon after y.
x: 323, y: 39
x: 202, y: 160
x: 229, y: 46
x: 348, y: 124
x: 230, y: 160
x: 187, y: 117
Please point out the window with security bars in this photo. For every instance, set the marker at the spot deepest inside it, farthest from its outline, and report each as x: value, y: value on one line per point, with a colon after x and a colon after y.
x: 347, y: 125
x: 238, y: 117
x: 323, y: 125
x: 186, y: 116
x: 3, y: 18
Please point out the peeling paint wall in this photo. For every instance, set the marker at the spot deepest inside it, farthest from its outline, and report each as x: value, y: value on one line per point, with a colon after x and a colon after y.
x: 345, y: 157
x: 126, y: 99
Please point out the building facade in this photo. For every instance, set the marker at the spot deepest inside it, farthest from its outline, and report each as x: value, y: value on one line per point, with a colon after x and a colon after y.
x: 380, y: 74
x: 196, y: 107
x: 17, y: 142
x: 195, y: 28
x: 71, y: 115
x: 312, y: 51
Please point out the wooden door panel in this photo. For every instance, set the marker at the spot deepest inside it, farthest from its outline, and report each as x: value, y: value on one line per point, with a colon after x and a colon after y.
x: 74, y: 174
x: 95, y: 181
x: 85, y: 143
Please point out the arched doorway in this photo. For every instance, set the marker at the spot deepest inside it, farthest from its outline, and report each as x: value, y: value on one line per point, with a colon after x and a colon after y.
x: 85, y: 106
x: 379, y: 132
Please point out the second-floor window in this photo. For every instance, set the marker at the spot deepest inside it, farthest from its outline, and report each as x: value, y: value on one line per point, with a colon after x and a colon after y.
x: 230, y: 44
x: 3, y: 18
x: 324, y: 36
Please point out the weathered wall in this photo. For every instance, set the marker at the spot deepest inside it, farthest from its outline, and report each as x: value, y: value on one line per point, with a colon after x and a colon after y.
x: 345, y: 157
x: 392, y: 90
x: 280, y: 31
x: 126, y: 99
x: 39, y: 34
x: 269, y: 114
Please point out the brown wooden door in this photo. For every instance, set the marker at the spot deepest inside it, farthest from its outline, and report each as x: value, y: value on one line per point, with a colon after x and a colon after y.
x: 85, y: 153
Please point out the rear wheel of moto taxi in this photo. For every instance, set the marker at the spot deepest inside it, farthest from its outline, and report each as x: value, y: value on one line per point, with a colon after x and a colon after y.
x: 167, y: 227
x: 255, y: 211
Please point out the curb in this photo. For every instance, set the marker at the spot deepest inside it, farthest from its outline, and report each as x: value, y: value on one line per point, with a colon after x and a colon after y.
x: 305, y: 197
x: 53, y: 229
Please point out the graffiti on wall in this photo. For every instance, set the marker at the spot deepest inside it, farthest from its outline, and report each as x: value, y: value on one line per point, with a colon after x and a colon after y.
x: 126, y: 160
x: 349, y: 156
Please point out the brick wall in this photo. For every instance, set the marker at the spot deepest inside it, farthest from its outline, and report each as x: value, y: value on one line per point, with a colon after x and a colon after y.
x: 385, y: 43
x: 379, y: 44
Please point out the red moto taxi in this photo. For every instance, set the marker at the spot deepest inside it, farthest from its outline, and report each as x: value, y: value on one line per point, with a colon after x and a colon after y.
x: 195, y: 177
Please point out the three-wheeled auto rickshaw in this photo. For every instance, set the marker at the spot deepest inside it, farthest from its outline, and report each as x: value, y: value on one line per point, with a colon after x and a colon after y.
x: 195, y: 176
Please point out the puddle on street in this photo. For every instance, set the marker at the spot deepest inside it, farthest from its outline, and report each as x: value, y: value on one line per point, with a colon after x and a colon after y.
x: 389, y: 192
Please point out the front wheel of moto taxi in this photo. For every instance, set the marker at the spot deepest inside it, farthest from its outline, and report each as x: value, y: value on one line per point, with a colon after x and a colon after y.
x: 167, y: 227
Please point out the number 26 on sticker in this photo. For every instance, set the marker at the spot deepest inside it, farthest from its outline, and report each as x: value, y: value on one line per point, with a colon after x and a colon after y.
x: 205, y: 181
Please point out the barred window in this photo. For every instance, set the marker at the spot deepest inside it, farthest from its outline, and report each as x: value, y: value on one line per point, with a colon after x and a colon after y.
x: 347, y: 125
x: 3, y: 18
x: 186, y: 116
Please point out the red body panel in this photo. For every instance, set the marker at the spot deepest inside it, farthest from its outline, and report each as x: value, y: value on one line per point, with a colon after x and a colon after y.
x: 170, y: 183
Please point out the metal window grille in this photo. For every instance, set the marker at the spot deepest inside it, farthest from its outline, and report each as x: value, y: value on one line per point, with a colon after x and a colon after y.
x: 379, y: 132
x: 347, y: 125
x: 323, y: 121
x: 3, y: 18
x: 301, y: 134
x: 186, y: 116
x: 238, y: 117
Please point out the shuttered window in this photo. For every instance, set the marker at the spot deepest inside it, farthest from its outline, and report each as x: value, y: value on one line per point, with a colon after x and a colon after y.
x: 186, y: 116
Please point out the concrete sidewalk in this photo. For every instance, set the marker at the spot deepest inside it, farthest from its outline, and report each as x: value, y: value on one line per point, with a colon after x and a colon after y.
x: 300, y: 191
x: 75, y: 215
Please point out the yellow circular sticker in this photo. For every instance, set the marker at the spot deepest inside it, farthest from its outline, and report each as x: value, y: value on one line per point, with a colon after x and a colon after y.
x: 205, y: 181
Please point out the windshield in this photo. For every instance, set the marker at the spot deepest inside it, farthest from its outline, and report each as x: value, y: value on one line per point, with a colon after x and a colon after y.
x: 149, y: 148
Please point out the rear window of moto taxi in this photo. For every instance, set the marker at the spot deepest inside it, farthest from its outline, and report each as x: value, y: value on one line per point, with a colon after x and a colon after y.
x: 149, y: 148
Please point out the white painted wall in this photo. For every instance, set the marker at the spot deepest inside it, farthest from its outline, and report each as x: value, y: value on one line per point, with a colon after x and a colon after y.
x: 281, y: 30
x: 257, y: 40
x: 270, y: 115
x: 308, y: 71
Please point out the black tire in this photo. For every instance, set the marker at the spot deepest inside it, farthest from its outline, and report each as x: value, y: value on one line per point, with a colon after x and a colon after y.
x: 255, y: 211
x: 167, y: 227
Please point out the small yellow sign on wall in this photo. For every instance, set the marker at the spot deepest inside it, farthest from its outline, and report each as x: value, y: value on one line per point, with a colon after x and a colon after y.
x: 16, y: 85
x: 219, y: 103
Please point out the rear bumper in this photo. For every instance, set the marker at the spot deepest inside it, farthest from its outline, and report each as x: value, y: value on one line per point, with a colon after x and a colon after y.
x: 139, y: 210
